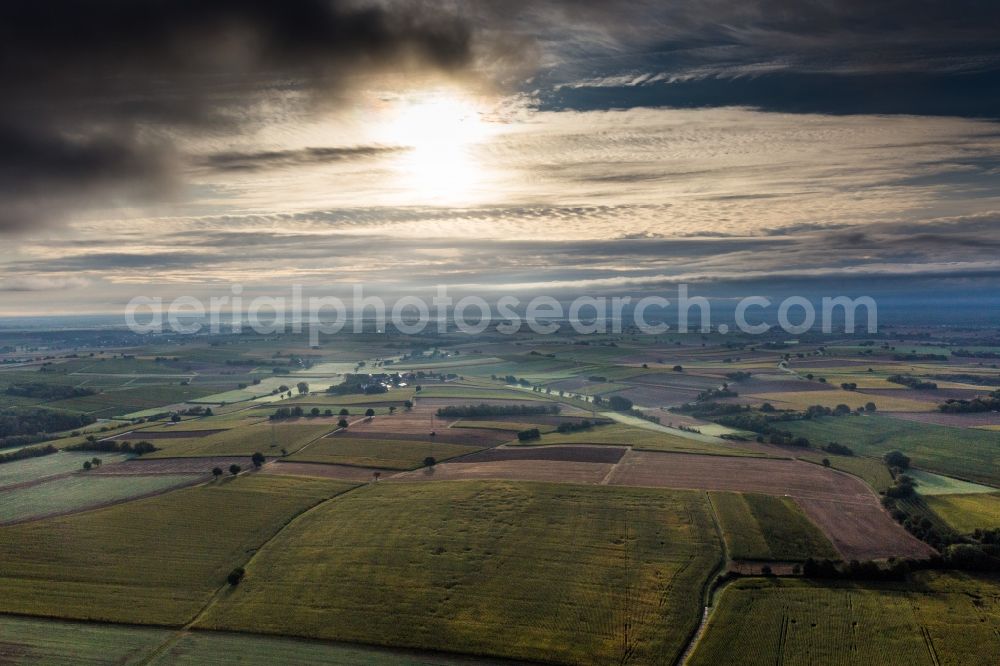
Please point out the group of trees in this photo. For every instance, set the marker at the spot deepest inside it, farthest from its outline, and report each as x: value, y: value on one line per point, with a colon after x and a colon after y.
x: 113, y: 446
x: 570, y: 426
x: 982, y: 403
x: 912, y: 382
x: 24, y: 425
x: 473, y: 411
x: 529, y: 435
x: 32, y: 452
x: 48, y: 391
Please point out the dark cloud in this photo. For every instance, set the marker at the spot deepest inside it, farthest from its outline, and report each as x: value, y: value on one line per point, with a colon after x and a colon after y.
x: 93, y: 89
x: 271, y: 159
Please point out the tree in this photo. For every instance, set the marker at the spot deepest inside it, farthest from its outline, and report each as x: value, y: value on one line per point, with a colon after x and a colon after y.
x: 208, y: 412
x: 96, y: 462
x: 392, y: 409
x: 678, y: 368
x: 342, y: 423
x: 897, y: 459
x: 257, y: 459
x: 328, y: 412
x: 408, y: 405
x: 826, y: 462
x: 429, y: 461
x: 236, y: 575
x: 619, y: 403
x: 870, y: 407
x: 344, y: 411
x: 234, y: 469
x: 369, y: 412
x: 314, y: 411
x: 216, y: 472
x: 87, y: 465
x: 175, y: 418
x: 303, y: 388
x: 377, y: 475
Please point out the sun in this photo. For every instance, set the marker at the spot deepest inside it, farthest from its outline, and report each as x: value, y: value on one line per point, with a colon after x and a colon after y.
x: 439, y: 133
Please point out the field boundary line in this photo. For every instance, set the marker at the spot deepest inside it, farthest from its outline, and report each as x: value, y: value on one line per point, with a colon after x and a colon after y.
x: 709, y: 589
x: 188, y: 626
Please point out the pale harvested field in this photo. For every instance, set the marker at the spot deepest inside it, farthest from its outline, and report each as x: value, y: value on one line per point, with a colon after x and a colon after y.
x: 139, y: 435
x: 891, y: 401
x: 558, y: 471
x: 842, y: 506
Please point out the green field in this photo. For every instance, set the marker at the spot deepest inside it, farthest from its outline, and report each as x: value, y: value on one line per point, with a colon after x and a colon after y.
x: 37, y: 640
x: 267, y: 438
x: 151, y: 561
x: 945, y: 619
x: 644, y: 439
x: 224, y: 649
x: 762, y: 527
x: 31, y: 469
x: 79, y: 491
x: 523, y: 570
x: 929, y: 483
x: 397, y: 454
x: 503, y: 425
x: 967, y: 513
x: 965, y: 453
x: 872, y: 471
x: 40, y: 641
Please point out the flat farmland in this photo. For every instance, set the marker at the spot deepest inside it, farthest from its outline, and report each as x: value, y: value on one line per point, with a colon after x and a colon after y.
x: 944, y: 619
x: 33, y: 469
x: 594, y: 454
x: 763, y: 527
x: 244, y: 440
x: 885, y: 402
x: 91, y: 565
x: 929, y: 483
x: 657, y: 396
x: 967, y: 513
x: 378, y: 453
x: 479, y: 567
x: 26, y: 640
x: 645, y: 439
x: 79, y: 492
x: 323, y: 471
x: 973, y: 420
x: 964, y: 453
x: 201, y: 466
x: 555, y: 471
x: 872, y: 471
x: 843, y: 507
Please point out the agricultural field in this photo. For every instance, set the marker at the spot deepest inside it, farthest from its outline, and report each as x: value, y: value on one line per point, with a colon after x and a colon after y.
x: 645, y: 439
x: 79, y: 492
x: 894, y: 401
x: 268, y: 438
x: 967, y: 513
x: 942, y: 619
x: 872, y: 471
x: 151, y: 561
x: 762, y: 527
x: 964, y: 453
x: 478, y: 567
x: 34, y: 469
x: 378, y: 453
x: 595, y: 546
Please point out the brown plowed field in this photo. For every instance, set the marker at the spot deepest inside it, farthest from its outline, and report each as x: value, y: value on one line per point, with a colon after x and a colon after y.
x: 172, y: 466
x: 657, y: 396
x: 588, y: 454
x: 139, y: 435
x: 841, y: 505
x: 558, y: 471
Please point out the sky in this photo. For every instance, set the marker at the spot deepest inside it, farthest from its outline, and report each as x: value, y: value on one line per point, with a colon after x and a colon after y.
x: 175, y: 147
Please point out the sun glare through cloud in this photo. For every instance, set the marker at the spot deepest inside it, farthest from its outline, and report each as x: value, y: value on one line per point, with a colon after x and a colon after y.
x: 442, y: 131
